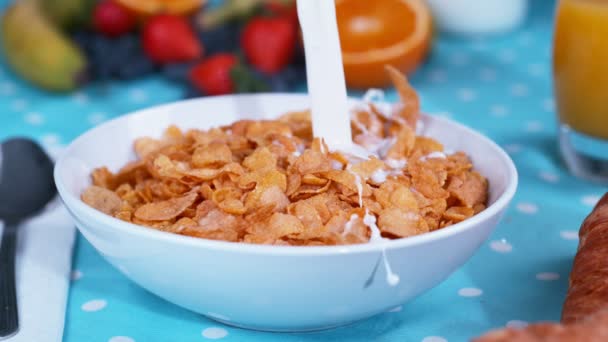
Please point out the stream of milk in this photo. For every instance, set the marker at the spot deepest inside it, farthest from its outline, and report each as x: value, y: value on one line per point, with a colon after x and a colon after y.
x: 329, y: 107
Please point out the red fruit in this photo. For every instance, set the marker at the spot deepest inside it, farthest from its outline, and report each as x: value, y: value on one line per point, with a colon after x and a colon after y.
x: 111, y: 19
x: 282, y: 9
x: 212, y: 76
x: 170, y: 38
x: 269, y: 43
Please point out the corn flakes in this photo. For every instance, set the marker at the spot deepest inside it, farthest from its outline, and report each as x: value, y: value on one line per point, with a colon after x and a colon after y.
x: 271, y: 182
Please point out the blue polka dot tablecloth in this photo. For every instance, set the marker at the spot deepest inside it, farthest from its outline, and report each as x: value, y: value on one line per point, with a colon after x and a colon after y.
x: 500, y: 86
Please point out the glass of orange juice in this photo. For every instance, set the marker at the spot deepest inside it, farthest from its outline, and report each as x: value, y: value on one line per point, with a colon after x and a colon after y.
x: 580, y: 70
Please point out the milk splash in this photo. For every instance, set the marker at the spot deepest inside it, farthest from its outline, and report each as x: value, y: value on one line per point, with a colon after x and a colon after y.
x: 327, y: 89
x: 369, y: 220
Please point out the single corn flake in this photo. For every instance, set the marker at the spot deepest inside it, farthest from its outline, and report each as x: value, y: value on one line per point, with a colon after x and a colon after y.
x: 165, y: 210
x: 216, y: 154
x: 101, y: 199
x: 400, y: 223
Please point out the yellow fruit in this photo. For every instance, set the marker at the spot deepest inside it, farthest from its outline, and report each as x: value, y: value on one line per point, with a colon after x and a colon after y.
x: 68, y: 14
x: 37, y: 51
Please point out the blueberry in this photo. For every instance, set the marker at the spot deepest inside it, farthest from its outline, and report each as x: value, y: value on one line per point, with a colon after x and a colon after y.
x: 299, y: 59
x: 101, y: 46
x: 101, y: 57
x: 84, y: 39
x: 285, y: 80
x: 127, y: 44
x: 138, y: 66
x: 124, y: 50
x: 102, y: 71
x: 292, y: 75
x: 115, y: 62
x: 177, y: 72
x: 278, y: 83
x: 191, y: 92
x: 121, y: 57
x: 224, y: 38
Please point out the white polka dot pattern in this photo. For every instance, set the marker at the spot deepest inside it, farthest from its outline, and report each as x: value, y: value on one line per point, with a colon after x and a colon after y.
x: 434, y: 339
x: 470, y: 292
x: 467, y: 95
x: 214, y: 333
x: 396, y: 309
x: 569, y: 234
x: 94, y: 305
x: 548, y: 177
x: 7, y: 88
x: 121, y: 339
x: 527, y: 208
x: 548, y: 276
x: 516, y: 324
x: 590, y: 200
x: 34, y: 118
x: 519, y: 89
x: 138, y: 96
x: 499, y: 111
x: 75, y: 275
x: 501, y: 246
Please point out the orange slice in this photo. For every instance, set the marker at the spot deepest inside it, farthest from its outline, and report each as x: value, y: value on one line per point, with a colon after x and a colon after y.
x: 150, y: 7
x: 380, y: 32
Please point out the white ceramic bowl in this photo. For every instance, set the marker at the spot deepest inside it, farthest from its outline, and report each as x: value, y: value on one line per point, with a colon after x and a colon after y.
x: 278, y: 288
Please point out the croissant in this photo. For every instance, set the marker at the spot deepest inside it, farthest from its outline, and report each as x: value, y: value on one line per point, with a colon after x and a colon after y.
x: 585, y: 311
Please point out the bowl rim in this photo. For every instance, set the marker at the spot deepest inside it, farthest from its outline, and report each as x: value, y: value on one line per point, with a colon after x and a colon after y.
x: 74, y: 204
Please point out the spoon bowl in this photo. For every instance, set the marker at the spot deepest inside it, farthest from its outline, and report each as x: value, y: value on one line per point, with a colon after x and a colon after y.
x: 26, y: 179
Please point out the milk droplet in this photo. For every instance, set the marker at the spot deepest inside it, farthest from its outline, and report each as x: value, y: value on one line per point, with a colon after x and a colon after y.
x: 396, y: 163
x: 373, y: 95
x: 434, y: 154
x: 370, y: 220
x: 336, y: 165
x: 348, y: 227
x: 379, y: 176
x: 391, y: 278
x: 359, y: 185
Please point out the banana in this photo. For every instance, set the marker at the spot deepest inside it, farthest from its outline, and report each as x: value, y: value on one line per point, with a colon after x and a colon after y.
x: 37, y: 51
x: 68, y: 14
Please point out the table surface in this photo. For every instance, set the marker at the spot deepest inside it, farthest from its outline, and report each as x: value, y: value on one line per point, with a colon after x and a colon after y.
x: 500, y: 86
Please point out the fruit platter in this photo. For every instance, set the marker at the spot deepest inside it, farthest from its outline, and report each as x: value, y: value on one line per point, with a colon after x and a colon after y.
x: 206, y: 47
x: 62, y: 45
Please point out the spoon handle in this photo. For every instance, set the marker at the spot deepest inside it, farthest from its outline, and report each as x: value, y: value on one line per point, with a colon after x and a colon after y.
x: 9, y: 321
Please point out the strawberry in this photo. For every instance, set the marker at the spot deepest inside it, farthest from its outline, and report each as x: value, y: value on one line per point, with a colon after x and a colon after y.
x: 223, y: 73
x: 111, y: 19
x: 269, y: 43
x: 212, y: 76
x: 170, y: 38
x: 282, y: 8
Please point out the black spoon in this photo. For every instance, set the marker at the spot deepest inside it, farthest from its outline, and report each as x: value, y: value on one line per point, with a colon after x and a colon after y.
x: 26, y: 186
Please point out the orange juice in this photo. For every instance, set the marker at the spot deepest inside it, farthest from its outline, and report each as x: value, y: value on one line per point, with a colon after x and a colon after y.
x: 580, y: 66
